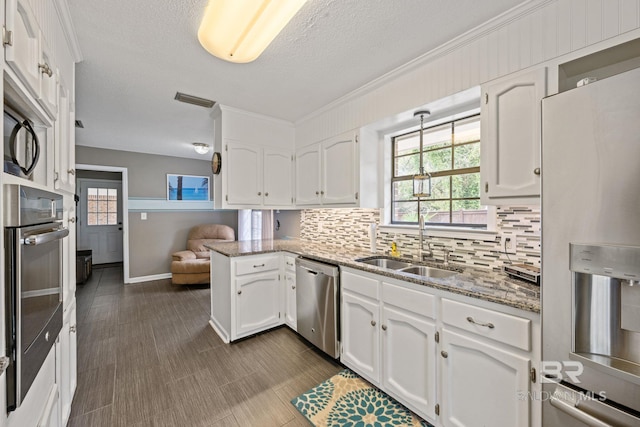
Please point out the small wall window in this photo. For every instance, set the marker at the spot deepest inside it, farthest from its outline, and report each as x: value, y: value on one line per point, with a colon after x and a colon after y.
x: 102, y: 206
x: 451, y: 154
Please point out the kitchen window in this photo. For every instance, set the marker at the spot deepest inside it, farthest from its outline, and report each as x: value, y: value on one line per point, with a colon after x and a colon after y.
x: 451, y: 154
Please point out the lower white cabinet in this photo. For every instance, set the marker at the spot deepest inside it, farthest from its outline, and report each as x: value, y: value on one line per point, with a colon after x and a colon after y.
x: 452, y: 362
x: 258, y: 303
x: 68, y: 362
x: 360, y: 316
x: 482, y: 383
x: 290, y: 312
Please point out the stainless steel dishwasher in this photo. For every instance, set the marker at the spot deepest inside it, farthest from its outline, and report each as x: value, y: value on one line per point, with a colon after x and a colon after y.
x: 317, y: 304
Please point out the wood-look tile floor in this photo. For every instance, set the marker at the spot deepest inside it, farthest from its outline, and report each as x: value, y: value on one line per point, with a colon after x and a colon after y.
x: 148, y: 357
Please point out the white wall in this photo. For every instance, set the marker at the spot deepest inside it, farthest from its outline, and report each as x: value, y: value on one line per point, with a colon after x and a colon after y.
x: 537, y: 32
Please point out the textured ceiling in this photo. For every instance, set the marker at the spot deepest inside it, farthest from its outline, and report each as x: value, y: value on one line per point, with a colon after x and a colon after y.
x: 138, y: 53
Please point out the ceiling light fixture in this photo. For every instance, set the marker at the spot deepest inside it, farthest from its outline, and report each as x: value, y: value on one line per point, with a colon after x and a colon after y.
x: 422, y: 181
x: 240, y: 30
x: 201, y: 148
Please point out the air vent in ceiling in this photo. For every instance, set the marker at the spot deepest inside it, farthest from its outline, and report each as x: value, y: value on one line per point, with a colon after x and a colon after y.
x: 195, y: 100
x: 79, y: 124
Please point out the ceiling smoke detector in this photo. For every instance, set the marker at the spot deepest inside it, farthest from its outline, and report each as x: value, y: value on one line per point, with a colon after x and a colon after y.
x: 195, y: 100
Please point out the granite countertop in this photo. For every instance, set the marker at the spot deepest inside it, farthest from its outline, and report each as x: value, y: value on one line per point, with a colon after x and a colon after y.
x: 474, y: 282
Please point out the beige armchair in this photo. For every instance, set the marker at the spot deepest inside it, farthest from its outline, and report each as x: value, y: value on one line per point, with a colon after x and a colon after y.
x: 191, y: 267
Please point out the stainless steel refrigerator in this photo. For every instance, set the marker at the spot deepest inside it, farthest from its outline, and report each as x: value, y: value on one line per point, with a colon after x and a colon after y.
x: 591, y: 254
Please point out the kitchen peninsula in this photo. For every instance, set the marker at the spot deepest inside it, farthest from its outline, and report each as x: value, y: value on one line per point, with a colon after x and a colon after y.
x: 476, y: 331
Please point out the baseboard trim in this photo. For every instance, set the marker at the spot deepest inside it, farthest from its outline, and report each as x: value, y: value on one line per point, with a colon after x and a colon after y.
x: 222, y: 336
x: 151, y: 278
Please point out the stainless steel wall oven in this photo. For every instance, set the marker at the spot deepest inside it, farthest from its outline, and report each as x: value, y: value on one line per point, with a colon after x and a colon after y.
x: 33, y: 236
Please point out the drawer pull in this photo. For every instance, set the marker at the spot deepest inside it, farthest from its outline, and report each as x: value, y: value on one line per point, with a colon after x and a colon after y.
x: 444, y: 354
x: 293, y: 287
x: 384, y: 327
x: 258, y: 266
x: 373, y: 323
x: 488, y: 325
x: 239, y: 292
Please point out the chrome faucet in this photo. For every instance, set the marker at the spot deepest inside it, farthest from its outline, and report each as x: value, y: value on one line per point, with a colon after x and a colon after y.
x: 424, y: 253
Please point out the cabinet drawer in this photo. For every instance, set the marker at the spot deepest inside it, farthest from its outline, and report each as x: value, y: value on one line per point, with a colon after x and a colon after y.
x: 412, y: 300
x: 505, y: 328
x: 362, y: 285
x: 290, y: 262
x: 257, y: 265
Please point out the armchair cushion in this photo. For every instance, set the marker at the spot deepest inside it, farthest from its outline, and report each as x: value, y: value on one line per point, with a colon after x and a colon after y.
x: 183, y: 255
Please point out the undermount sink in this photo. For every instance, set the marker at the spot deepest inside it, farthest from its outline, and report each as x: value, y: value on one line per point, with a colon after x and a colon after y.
x: 407, y: 267
x: 391, y: 264
x: 424, y: 271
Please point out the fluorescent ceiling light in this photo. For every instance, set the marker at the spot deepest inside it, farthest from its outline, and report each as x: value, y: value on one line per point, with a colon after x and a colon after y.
x: 240, y: 30
x: 201, y: 148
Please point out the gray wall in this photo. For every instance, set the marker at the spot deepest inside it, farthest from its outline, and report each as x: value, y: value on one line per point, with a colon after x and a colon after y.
x: 152, y: 242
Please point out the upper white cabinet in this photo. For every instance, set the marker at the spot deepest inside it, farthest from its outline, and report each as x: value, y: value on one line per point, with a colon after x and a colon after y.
x: 29, y: 56
x: 338, y: 172
x: 510, y: 134
x: 64, y: 143
x: 257, y: 160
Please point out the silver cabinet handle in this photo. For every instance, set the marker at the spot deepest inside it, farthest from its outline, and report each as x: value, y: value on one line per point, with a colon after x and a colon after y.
x: 71, y: 171
x: 259, y: 193
x: 317, y: 193
x: 444, y: 354
x: 536, y: 171
x: 266, y: 194
x: 293, y: 286
x: 488, y: 324
x: 258, y: 266
x: 45, y: 69
x: 72, y: 219
x: 39, y: 239
x: 373, y: 323
x: 322, y: 192
x: 239, y: 292
x: 384, y: 327
x: 73, y: 328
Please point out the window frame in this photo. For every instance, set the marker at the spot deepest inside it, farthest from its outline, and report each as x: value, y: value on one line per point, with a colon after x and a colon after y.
x: 451, y: 173
x: 98, y: 212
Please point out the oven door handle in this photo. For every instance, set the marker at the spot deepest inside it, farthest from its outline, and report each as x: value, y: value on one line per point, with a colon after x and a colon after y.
x: 39, y: 239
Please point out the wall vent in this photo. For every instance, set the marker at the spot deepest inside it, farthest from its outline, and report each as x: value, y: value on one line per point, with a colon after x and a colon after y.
x: 195, y: 100
x: 79, y: 124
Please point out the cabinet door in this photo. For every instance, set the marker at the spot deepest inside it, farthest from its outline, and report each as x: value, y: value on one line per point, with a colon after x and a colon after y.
x: 360, y: 320
x: 23, y: 53
x: 308, y: 176
x: 244, y: 174
x: 339, y: 178
x: 409, y: 359
x: 290, y: 315
x: 64, y: 144
x: 258, y: 303
x: 482, y: 384
x: 49, y: 83
x: 510, y: 135
x: 68, y: 369
x: 278, y: 178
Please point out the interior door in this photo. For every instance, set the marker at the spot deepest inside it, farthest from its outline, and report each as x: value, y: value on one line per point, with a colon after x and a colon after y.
x: 100, y: 219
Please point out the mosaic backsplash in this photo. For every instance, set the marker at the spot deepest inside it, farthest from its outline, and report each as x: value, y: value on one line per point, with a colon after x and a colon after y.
x: 350, y: 228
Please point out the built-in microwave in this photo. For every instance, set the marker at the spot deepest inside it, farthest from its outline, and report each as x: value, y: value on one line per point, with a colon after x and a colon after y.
x: 21, y: 145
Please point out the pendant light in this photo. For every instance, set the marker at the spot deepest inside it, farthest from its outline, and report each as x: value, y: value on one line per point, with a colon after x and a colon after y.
x: 422, y: 181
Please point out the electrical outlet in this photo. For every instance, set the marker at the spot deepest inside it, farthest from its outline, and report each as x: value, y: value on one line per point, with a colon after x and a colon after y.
x: 508, y: 243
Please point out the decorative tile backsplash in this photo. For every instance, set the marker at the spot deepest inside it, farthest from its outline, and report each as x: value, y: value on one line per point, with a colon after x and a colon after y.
x: 350, y: 228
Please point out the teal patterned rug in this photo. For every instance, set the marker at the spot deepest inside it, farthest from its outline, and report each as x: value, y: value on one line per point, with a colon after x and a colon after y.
x: 346, y: 400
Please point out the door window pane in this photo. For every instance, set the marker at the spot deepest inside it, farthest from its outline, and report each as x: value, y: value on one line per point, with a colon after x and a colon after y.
x: 102, y: 206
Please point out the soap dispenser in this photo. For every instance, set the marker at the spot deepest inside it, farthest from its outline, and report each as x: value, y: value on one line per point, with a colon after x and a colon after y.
x: 394, y: 248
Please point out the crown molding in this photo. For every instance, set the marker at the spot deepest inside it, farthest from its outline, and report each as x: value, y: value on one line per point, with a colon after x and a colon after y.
x: 502, y: 20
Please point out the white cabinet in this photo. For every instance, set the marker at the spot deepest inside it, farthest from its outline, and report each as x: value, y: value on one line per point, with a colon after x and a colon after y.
x: 290, y: 310
x: 485, y: 367
x: 480, y: 380
x: 258, y: 176
x: 244, y: 174
x: 278, y: 177
x: 28, y: 55
x: 360, y: 335
x: 68, y: 363
x: 258, y: 295
x: 308, y: 176
x: 409, y: 348
x: 510, y: 135
x: 64, y: 143
x: 327, y: 173
x: 22, y: 50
